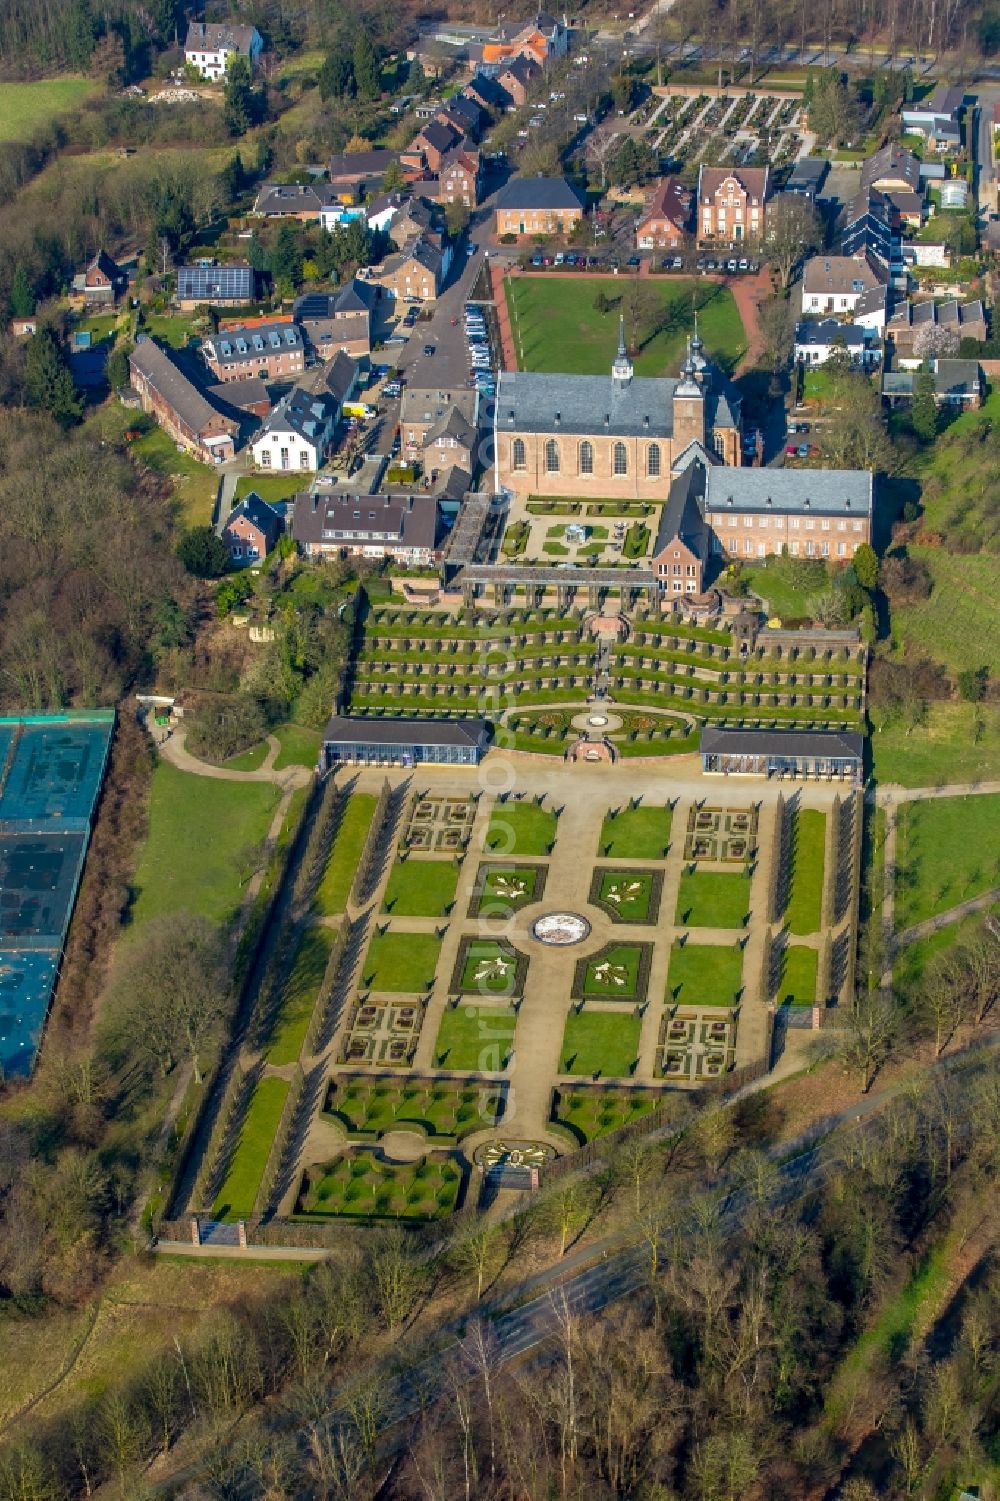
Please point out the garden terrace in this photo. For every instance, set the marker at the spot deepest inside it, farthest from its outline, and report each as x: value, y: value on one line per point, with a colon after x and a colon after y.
x: 421, y: 888
x: 636, y: 832
x: 589, y: 1113
x: 713, y: 899
x: 400, y: 962
x: 723, y: 834
x: 551, y: 732
x: 367, y: 1107
x: 627, y: 895
x: 363, y: 1184
x: 696, y: 1045
x: 380, y: 1032
x: 438, y: 825
x: 617, y: 972
x: 504, y: 888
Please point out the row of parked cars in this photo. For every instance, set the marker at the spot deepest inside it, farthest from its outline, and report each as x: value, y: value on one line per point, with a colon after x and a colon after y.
x: 480, y: 354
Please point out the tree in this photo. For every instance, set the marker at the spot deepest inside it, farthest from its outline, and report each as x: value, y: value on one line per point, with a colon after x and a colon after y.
x: 866, y: 566
x: 241, y: 102
x: 22, y: 293
x: 869, y: 1034
x: 232, y: 177
x: 117, y: 370
x: 48, y: 380
x: 624, y: 92
x: 286, y: 257
x: 601, y: 147
x: 942, y: 997
x: 793, y: 231
x: 336, y: 76
x: 393, y: 178
x: 834, y: 113
x: 935, y: 341
x: 854, y: 435
x: 973, y: 683
x: 924, y: 411
x: 203, y: 552
x: 366, y: 67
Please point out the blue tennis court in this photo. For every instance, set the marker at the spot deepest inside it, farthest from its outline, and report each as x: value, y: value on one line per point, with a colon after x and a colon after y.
x: 55, y: 774
x: 26, y: 981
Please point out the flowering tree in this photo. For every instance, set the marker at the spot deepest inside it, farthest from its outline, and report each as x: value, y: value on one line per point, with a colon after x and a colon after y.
x: 935, y: 342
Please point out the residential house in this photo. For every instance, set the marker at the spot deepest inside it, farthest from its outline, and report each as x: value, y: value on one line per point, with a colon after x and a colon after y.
x: 958, y: 384
x: 23, y: 328
x: 540, y: 40
x: 271, y: 348
x: 298, y: 434
x: 209, y: 46
x: 241, y: 398
x: 732, y: 204
x: 101, y: 283
x: 251, y: 530
x: 460, y: 178
x: 415, y: 274
x: 966, y: 320
x: 462, y: 114
x: 893, y: 169
x: 836, y: 283
x: 450, y: 441
x: 871, y: 228
x: 424, y: 410
x: 937, y: 119
x: 296, y: 200
x: 355, y: 173
x: 872, y: 310
x: 406, y: 528
x: 666, y: 219
x: 179, y: 407
x: 807, y: 177
x: 489, y: 94
x: 815, y: 513
x: 337, y: 378
x: 817, y: 341
x: 430, y: 146
x: 214, y: 286
x: 340, y: 320
x: 402, y: 216
x: 517, y: 77
x: 537, y: 206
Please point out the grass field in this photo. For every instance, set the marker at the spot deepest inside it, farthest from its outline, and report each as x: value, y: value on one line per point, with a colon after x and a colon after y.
x: 401, y: 962
x: 299, y: 996
x: 704, y: 974
x: 600, y: 1042
x: 636, y: 834
x: 269, y: 486
x: 798, y: 976
x: 713, y: 899
x: 788, y: 584
x: 557, y: 328
x: 199, y: 828
x: 488, y: 968
x: 956, y: 743
x: 421, y: 888
x: 590, y: 1113
x: 194, y: 484
x: 299, y: 746
x: 335, y: 884
x: 909, y: 963
x: 948, y: 850
x: 521, y: 829
x: 804, y: 912
x: 27, y: 107
x: 965, y: 637
x: 358, y: 1184
x: 475, y: 1037
x: 236, y: 1197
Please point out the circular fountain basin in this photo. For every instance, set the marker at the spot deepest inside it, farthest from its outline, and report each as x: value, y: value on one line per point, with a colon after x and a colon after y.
x: 560, y: 929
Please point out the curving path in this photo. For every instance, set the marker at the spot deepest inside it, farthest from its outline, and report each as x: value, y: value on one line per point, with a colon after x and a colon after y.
x: 174, y: 749
x: 946, y: 919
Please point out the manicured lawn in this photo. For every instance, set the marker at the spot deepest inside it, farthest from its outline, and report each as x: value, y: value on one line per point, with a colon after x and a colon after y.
x: 270, y: 486
x: 475, y: 1037
x: 600, y: 1042
x: 27, y: 107
x: 299, y: 746
x: 299, y: 996
x: 910, y: 962
x: 370, y: 1108
x: 195, y: 484
x: 421, y: 888
x: 557, y: 328
x: 948, y: 850
x: 199, y: 828
x: 627, y: 894
x: 704, y: 975
x: 614, y: 973
x: 798, y: 976
x: 787, y: 584
x: 335, y: 885
x: 636, y: 834
x: 489, y: 968
x: 358, y: 1185
x: 804, y: 912
x: 521, y: 829
x: 174, y: 329
x: 508, y: 887
x: 401, y: 962
x: 248, y: 760
x: 590, y: 1113
x: 241, y: 1184
x: 955, y: 743
x: 713, y: 899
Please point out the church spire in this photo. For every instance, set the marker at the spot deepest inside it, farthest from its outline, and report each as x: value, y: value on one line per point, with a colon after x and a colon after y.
x: 621, y: 369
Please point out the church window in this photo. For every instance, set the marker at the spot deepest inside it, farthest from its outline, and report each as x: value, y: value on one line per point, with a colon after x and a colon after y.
x: 719, y: 444
x: 653, y: 461
x: 586, y: 457
x: 620, y: 459
x: 552, y: 457
x: 519, y: 457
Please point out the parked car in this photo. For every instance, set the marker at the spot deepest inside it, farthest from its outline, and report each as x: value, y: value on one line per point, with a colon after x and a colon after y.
x: 633, y: 262
x: 536, y: 260
x: 792, y: 449
x: 744, y: 265
x: 392, y: 389
x: 803, y: 450
x: 429, y: 349
x: 731, y: 267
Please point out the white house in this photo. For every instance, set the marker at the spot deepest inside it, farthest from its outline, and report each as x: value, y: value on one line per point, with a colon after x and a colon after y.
x: 816, y: 341
x: 209, y: 46
x: 298, y: 434
x: 837, y: 283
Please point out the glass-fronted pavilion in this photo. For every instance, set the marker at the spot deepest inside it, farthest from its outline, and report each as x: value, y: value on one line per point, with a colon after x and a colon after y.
x: 366, y: 740
x: 809, y: 754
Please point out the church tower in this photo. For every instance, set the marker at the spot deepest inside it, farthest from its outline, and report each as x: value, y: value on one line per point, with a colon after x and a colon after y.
x: 689, y: 407
x: 621, y: 368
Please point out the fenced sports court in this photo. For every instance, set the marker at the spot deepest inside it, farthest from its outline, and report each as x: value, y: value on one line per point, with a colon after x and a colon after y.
x: 51, y: 770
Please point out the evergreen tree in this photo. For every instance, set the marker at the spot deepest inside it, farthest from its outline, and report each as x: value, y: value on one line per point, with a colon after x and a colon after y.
x: 366, y: 69
x: 22, y: 294
x: 866, y: 566
x: 48, y: 381
x: 240, y: 105
x: 232, y: 176
x: 81, y: 35
x: 924, y: 412
x: 336, y: 76
x: 117, y: 367
x: 265, y: 154
x: 286, y: 255
x: 203, y: 552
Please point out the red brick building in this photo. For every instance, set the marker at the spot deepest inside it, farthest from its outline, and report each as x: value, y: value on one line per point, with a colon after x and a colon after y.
x: 732, y: 204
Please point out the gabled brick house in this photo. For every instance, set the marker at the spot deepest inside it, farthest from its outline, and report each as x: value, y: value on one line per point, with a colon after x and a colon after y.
x: 102, y: 283
x: 732, y: 204
x: 666, y: 219
x: 178, y: 406
x: 251, y: 531
x: 460, y: 178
